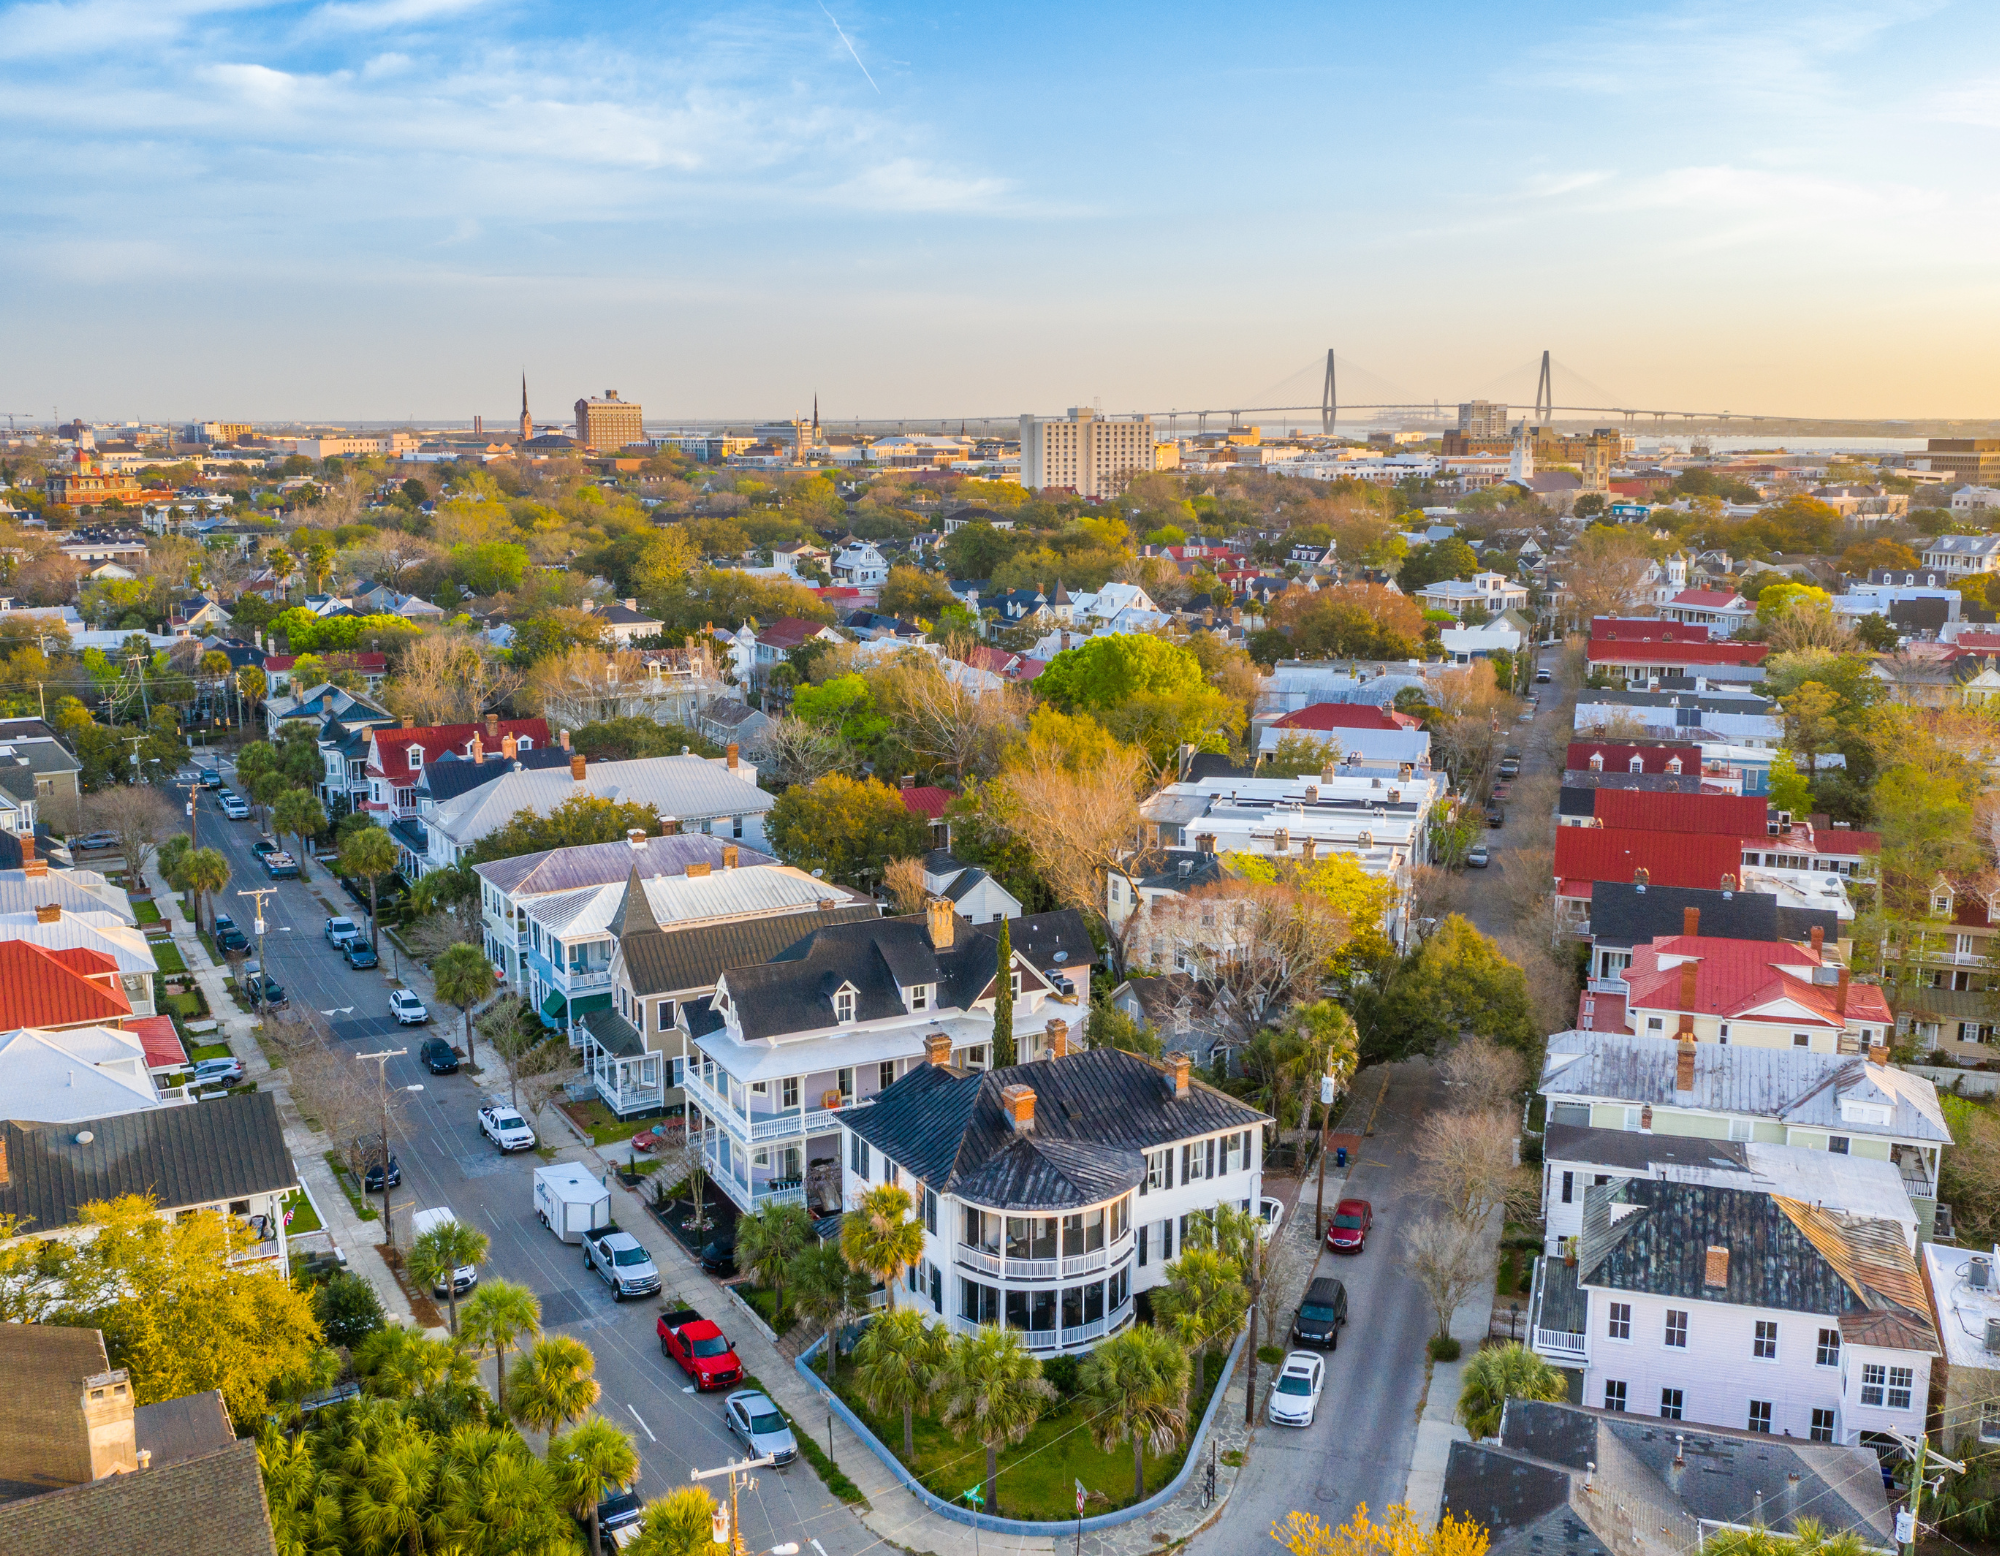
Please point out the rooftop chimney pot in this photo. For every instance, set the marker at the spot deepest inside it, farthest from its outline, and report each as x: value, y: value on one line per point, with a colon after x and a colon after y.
x: 576, y: 765
x: 1018, y: 1102
x: 1178, y: 1065
x: 730, y: 854
x: 937, y: 1049
x: 942, y: 924
x: 48, y: 913
x: 734, y: 751
x: 636, y: 836
x: 1058, y: 1033
x: 1715, y: 1269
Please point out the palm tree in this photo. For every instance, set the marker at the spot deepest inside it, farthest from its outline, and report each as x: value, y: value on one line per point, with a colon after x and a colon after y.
x: 494, y: 1315
x: 994, y: 1392
x: 585, y: 1461
x: 401, y: 1363
x: 676, y: 1524
x: 394, y: 1499
x: 463, y: 977
x: 172, y: 859
x: 767, y: 1240
x: 880, y: 1237
x: 496, y: 1495
x: 207, y: 871
x: 1502, y: 1373
x: 1204, y: 1298
x: 304, y: 1496
x: 1137, y: 1383
x: 371, y: 854
x: 266, y: 789
x: 298, y: 815
x: 554, y: 1385
x: 440, y: 1253
x: 900, y: 1358
x: 825, y: 1289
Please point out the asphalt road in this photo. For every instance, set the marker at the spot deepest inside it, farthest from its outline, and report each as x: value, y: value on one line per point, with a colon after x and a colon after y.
x: 1359, y: 1447
x: 1478, y: 893
x: 446, y: 1161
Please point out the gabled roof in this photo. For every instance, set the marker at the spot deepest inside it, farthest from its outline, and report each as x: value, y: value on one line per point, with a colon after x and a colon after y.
x: 789, y: 632
x: 1345, y: 715
x: 227, y: 1148
x: 600, y: 864
x: 1623, y: 915
x: 1588, y: 854
x: 211, y: 1502
x: 666, y: 961
x: 926, y: 800
x: 1730, y: 815
x: 1619, y: 756
x: 38, y: 990
x: 1750, y: 979
x: 390, y: 753
x: 1096, y: 1113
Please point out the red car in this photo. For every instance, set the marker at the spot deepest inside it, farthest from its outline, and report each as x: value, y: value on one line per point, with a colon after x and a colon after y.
x: 1351, y: 1220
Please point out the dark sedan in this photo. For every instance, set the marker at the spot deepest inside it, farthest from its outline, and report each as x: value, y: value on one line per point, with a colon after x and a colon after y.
x: 371, y: 1176
x: 227, y: 936
x: 438, y: 1056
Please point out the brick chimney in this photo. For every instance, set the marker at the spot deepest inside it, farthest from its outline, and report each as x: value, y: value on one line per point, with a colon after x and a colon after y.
x: 1691, y: 922
x: 408, y: 722
x: 635, y: 837
x: 1690, y: 973
x: 1018, y: 1102
x: 697, y: 871
x: 937, y: 1049
x: 943, y: 926
x: 32, y: 866
x: 576, y: 765
x: 6, y: 1176
x: 734, y: 751
x: 1818, y: 938
x: 1840, y: 995
x: 562, y: 738
x: 493, y: 728
x: 1684, y: 1063
x: 1310, y: 847
x: 108, y: 1423
x: 48, y: 913
x: 475, y: 748
x: 1058, y: 1034
x: 730, y: 854
x: 509, y: 745
x: 670, y: 826
x: 1715, y: 1268
x: 1178, y: 1065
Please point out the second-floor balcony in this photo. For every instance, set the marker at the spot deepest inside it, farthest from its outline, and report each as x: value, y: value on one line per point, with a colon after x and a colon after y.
x: 581, y: 980
x: 732, y: 1112
x: 1558, y: 1313
x: 1053, y: 1267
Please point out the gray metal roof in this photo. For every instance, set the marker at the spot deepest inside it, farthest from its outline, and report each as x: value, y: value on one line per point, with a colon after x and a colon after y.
x: 682, y: 786
x: 690, y: 899
x: 1793, y: 1085
x: 680, y: 960
x: 1095, y: 1114
x: 604, y: 864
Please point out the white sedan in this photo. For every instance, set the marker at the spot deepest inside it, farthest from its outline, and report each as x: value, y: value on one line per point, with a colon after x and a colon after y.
x: 1295, y: 1400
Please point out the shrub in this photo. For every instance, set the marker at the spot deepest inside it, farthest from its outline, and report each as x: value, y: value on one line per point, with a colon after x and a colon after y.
x: 1062, y: 1373
x: 1443, y: 1348
x: 1270, y: 1355
x: 347, y: 1309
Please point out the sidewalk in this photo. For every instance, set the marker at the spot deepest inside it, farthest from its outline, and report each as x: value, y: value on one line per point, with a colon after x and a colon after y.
x: 359, y: 1240
x: 1438, y: 1428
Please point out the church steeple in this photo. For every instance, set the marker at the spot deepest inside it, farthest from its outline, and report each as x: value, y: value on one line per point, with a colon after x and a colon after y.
x: 527, y: 421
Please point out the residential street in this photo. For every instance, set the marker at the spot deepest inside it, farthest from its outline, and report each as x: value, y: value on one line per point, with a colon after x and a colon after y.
x: 1479, y: 894
x: 446, y: 1161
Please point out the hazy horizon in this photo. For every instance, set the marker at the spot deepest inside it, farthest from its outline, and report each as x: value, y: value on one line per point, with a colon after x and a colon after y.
x: 380, y: 209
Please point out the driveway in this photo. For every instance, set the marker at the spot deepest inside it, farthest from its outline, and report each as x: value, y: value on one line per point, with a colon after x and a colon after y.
x: 446, y: 1161
x: 1360, y: 1447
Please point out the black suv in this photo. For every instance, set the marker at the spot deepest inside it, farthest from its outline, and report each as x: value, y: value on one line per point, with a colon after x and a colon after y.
x: 438, y: 1057
x: 1321, y: 1314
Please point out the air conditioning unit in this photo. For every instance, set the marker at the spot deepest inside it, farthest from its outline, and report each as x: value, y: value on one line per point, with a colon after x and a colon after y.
x: 1979, y: 1274
x: 1993, y: 1336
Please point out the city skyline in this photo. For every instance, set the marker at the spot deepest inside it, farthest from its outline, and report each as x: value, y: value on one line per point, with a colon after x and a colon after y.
x: 384, y: 208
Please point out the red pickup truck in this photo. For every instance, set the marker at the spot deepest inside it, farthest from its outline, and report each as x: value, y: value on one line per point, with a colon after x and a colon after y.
x: 702, y: 1349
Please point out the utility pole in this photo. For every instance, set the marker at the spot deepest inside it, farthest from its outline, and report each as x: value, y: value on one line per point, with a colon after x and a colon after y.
x: 1329, y: 1089
x: 1918, y: 1448
x: 728, y: 1528
x: 382, y: 1075
x: 135, y: 741
x: 260, y: 893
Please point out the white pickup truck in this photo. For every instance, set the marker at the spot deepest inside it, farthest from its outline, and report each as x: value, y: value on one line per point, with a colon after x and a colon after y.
x: 623, y: 1263
x: 501, y: 1124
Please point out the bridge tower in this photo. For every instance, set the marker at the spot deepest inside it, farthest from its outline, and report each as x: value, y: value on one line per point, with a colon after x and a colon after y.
x: 1545, y: 395
x: 1329, y: 404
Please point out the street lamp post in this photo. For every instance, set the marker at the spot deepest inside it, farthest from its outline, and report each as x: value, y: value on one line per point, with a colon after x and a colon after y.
x: 729, y: 1528
x: 382, y: 1076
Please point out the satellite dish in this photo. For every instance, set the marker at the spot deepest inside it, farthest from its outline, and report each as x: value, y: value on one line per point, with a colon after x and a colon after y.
x: 1062, y: 956
x: 84, y: 1137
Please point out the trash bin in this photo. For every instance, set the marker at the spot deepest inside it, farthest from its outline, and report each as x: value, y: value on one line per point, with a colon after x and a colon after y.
x: 1340, y: 1156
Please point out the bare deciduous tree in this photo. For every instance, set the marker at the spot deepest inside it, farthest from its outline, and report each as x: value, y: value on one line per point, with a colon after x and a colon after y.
x: 393, y: 557
x: 803, y: 753
x: 1076, y: 825
x: 140, y: 816
x: 1448, y: 1259
x: 945, y: 715
x: 1465, y: 1161
x: 904, y: 880
x: 1263, y: 947
x: 1481, y: 1075
x: 1606, y: 575
x: 588, y: 685
x: 448, y: 678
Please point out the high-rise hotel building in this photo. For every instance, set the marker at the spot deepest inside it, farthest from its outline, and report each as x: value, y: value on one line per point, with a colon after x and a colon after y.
x: 1083, y: 452
x: 607, y: 424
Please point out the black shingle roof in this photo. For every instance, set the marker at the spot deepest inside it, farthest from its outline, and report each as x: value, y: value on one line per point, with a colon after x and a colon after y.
x: 229, y: 1148
x: 1095, y: 1113
x: 1623, y: 915
x: 661, y: 961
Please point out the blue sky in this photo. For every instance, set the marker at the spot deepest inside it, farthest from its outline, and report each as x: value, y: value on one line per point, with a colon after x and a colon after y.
x: 379, y: 208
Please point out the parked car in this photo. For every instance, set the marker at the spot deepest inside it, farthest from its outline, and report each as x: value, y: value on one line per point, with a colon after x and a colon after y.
x: 622, y: 1262
x: 1501, y: 791
x: 234, y: 806
x: 466, y: 1276
x: 718, y: 1254
x: 1273, y: 1213
x: 752, y: 1417
x: 1542, y: 676
x: 1495, y: 816
x: 260, y: 985
x: 218, y: 1072
x: 341, y: 930
x: 1295, y: 1399
x: 281, y: 866
x: 619, y: 1514
x: 702, y: 1350
x: 439, y: 1057
x: 1321, y: 1312
x: 371, y: 1168
x: 408, y: 1010
x: 503, y: 1125
x: 1349, y: 1231
x: 1510, y: 765
x: 360, y: 954
x: 227, y: 936
x: 263, y: 848
x: 208, y: 778
x: 1478, y: 858
x: 92, y: 841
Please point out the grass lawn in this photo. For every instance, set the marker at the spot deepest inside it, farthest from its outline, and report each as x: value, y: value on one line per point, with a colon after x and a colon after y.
x: 210, y: 1051
x: 300, y: 1209
x: 350, y: 1188
x: 602, y: 1125
x: 764, y: 1300
x: 167, y: 957
x: 144, y: 911
x: 1037, y: 1475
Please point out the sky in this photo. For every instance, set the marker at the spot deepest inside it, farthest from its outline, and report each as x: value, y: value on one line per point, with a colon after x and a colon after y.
x: 372, y: 209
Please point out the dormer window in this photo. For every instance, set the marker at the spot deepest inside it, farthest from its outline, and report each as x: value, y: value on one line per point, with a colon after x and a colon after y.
x: 1636, y: 765
x: 1597, y: 761
x: 416, y: 759
x: 1014, y: 980
x: 1941, y: 903
x: 1674, y: 765
x: 524, y: 742
x: 920, y: 997
x: 843, y: 1005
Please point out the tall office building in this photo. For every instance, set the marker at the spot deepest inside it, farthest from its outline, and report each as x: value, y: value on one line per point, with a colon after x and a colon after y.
x: 609, y: 424
x: 1089, y: 454
x: 1482, y: 419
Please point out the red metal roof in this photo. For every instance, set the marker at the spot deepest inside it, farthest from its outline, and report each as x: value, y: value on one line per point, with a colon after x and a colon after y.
x: 1674, y: 651
x: 1708, y: 599
x: 277, y: 664
x: 1590, y: 854
x: 924, y: 800
x: 1618, y: 757
x: 1737, y: 977
x: 1735, y: 815
x: 38, y: 990
x: 163, y: 1043
x: 1346, y: 715
x: 788, y: 632
x: 389, y: 751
